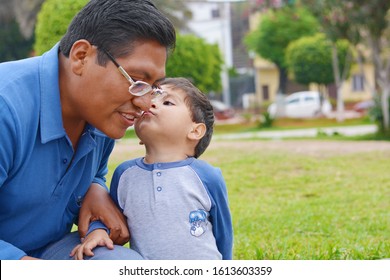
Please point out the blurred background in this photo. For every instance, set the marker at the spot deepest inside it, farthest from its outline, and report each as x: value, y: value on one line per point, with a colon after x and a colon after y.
x: 251, y: 57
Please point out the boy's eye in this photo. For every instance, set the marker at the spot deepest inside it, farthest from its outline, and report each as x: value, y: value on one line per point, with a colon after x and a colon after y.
x: 168, y: 103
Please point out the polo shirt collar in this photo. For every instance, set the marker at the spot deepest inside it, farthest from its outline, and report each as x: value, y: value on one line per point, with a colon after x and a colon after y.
x: 51, y: 124
x: 50, y: 115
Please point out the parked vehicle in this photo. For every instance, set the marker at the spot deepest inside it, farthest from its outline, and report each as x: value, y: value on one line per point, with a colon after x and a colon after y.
x: 303, y: 104
x: 221, y: 110
x: 364, y: 106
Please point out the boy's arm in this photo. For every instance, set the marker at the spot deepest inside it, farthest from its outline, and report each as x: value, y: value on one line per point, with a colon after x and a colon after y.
x: 219, y: 213
x: 221, y: 219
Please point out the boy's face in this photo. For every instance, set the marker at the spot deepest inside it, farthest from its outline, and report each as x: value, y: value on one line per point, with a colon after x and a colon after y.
x: 168, y: 121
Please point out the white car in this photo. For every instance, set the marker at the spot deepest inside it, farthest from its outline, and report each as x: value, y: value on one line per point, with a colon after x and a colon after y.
x: 303, y: 104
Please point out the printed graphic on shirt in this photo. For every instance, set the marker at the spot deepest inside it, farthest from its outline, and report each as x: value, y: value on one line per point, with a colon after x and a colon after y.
x: 198, y: 222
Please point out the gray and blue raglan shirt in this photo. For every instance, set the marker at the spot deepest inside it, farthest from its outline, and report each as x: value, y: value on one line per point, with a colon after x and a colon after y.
x: 175, y: 210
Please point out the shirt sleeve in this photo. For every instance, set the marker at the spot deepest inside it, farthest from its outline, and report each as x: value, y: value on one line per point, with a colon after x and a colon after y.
x: 7, y: 157
x: 10, y: 252
x: 100, y: 177
x: 97, y: 225
x: 115, y: 180
x: 220, y: 216
x: 8, y: 138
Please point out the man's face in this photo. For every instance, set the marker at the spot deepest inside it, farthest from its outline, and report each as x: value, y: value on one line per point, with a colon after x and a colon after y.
x: 103, y: 97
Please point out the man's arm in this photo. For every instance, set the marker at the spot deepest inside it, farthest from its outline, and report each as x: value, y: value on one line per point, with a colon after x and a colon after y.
x: 98, y: 205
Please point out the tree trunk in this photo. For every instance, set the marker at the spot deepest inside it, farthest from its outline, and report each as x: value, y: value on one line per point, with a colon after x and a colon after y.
x: 282, y: 80
x: 385, y: 108
x: 337, y: 79
x: 382, y: 71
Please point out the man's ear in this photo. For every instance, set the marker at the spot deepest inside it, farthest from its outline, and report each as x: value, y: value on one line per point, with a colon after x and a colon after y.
x: 78, y: 55
x: 197, y: 132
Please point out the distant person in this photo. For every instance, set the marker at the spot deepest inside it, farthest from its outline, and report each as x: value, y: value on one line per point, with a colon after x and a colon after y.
x: 175, y: 204
x: 59, y: 116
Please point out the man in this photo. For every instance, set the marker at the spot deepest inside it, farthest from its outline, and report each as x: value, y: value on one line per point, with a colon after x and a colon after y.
x: 59, y: 114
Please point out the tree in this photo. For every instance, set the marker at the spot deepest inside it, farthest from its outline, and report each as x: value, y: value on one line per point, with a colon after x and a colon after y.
x: 23, y: 12
x: 276, y: 30
x: 53, y: 21
x: 13, y: 45
x: 309, y: 59
x: 198, y: 61
x: 364, y: 23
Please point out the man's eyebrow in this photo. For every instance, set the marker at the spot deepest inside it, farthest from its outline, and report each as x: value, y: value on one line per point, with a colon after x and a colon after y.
x: 160, y: 80
x: 146, y: 75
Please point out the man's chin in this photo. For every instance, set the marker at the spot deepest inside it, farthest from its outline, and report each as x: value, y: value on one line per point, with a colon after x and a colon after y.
x: 116, y: 135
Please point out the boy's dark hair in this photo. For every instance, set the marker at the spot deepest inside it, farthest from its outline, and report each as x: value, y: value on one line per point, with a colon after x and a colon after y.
x: 116, y: 25
x: 200, y: 108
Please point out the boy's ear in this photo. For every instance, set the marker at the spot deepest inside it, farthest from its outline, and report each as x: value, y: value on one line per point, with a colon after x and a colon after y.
x: 197, y: 132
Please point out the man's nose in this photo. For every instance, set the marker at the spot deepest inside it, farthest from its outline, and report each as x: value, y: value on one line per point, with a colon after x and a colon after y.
x: 143, y: 102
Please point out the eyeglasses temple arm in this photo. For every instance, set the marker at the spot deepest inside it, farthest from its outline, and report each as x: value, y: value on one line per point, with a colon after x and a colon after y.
x: 120, y: 68
x: 124, y: 73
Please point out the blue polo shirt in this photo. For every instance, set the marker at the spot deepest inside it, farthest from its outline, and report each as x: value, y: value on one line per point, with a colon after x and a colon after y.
x: 42, y: 179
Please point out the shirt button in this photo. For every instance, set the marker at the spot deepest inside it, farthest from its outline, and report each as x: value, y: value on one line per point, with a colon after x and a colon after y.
x: 159, y: 174
x: 64, y: 160
x: 159, y: 189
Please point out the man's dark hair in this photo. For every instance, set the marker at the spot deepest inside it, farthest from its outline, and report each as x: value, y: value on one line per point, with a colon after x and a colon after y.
x: 116, y: 25
x: 199, y: 106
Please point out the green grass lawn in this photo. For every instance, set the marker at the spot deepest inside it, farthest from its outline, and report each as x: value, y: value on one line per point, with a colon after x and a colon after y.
x: 289, y: 206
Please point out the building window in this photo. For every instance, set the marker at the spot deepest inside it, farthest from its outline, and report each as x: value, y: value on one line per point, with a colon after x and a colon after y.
x: 265, y: 92
x: 215, y: 13
x: 357, y: 82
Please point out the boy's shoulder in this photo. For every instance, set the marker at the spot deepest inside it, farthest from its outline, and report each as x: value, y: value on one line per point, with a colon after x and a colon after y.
x: 206, y: 170
x: 126, y: 165
x: 199, y: 163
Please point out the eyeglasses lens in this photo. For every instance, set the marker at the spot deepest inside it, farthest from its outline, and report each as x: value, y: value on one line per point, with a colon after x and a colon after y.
x: 140, y: 88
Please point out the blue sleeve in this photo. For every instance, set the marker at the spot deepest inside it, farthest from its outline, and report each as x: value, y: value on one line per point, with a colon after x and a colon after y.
x: 100, y: 177
x: 116, y: 177
x: 97, y: 225
x: 10, y: 252
x: 9, y: 136
x: 220, y: 216
x: 221, y: 220
x: 7, y: 157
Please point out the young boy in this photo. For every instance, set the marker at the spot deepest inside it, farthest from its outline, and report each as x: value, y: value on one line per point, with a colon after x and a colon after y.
x: 175, y: 204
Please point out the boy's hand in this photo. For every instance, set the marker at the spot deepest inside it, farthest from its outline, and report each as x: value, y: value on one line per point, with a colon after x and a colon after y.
x: 98, y: 237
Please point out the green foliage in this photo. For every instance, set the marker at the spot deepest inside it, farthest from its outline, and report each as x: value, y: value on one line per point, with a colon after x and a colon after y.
x: 277, y: 29
x: 376, y: 114
x: 198, y: 61
x: 309, y: 59
x: 53, y: 21
x: 266, y: 120
x: 13, y: 45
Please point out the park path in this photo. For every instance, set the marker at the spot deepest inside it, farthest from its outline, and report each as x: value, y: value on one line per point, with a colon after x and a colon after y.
x: 302, y: 146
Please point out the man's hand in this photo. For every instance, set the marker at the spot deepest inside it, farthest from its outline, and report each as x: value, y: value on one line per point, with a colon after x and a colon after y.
x: 98, y: 205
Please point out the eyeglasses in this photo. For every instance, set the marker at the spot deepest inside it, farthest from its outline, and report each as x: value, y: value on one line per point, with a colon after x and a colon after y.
x: 137, y: 88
